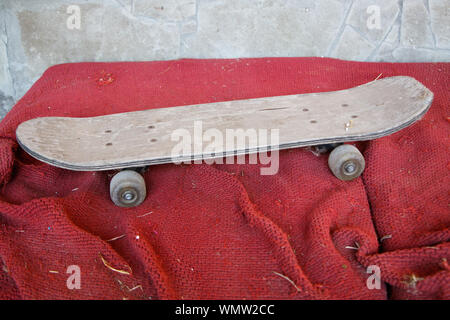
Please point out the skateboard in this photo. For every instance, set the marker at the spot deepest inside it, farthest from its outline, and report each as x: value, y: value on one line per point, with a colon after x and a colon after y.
x: 138, y: 139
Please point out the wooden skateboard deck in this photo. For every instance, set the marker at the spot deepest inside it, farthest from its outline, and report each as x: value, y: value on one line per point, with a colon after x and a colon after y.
x: 142, y: 138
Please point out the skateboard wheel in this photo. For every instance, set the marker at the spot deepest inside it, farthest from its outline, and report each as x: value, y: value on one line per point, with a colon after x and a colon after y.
x: 346, y: 162
x: 127, y: 189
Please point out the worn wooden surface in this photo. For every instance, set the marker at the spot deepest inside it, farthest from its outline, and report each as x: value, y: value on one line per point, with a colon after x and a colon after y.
x: 142, y: 138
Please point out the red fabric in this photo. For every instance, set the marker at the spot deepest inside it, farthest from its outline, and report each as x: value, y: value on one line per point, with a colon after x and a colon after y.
x: 225, y: 231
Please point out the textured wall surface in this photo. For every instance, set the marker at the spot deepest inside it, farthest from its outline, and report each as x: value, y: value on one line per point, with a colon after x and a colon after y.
x: 36, y: 34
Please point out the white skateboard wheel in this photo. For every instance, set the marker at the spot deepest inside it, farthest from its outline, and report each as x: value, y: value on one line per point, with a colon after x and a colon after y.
x: 346, y: 162
x: 127, y: 189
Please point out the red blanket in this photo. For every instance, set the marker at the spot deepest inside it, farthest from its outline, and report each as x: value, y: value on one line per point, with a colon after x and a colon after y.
x: 225, y: 231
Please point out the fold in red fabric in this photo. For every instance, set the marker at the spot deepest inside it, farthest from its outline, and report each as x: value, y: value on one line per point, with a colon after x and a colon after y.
x: 223, y: 231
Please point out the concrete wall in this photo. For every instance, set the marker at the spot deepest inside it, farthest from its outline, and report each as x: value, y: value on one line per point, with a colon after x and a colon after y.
x: 36, y: 34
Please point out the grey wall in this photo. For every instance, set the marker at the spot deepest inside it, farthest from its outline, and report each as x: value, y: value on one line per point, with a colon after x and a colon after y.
x: 36, y: 34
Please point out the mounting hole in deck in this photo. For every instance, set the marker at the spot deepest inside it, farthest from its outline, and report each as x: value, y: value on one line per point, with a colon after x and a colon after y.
x: 151, y: 127
x: 153, y: 140
x: 109, y: 144
x: 344, y: 105
x: 305, y: 109
x: 313, y: 121
x: 108, y: 131
x: 354, y: 117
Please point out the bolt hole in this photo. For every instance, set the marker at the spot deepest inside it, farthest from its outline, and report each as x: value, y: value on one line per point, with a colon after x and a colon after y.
x: 344, y: 105
x: 354, y: 117
x: 305, y: 109
x: 109, y: 144
x: 108, y: 131
x: 153, y: 140
x: 151, y: 127
x: 313, y: 121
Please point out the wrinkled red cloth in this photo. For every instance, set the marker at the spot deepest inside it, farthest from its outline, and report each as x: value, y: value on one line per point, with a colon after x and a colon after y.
x: 225, y: 231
